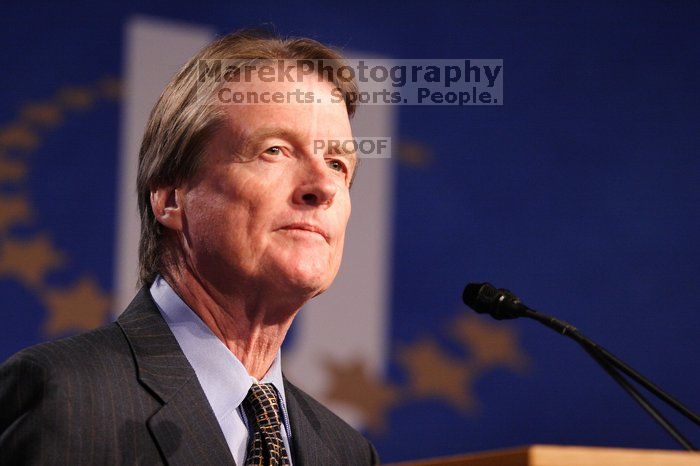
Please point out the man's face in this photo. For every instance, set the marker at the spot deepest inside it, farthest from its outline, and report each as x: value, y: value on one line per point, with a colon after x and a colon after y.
x: 267, y: 210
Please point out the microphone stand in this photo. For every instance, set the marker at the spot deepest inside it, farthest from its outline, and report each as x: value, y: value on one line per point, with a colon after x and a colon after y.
x: 613, y: 366
x: 643, y: 402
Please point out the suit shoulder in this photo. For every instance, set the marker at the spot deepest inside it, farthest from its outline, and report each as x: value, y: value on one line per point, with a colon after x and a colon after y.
x: 325, y: 415
x: 74, y: 401
x: 83, y: 353
x: 355, y: 444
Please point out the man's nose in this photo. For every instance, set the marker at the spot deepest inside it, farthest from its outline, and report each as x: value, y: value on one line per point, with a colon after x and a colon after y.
x: 317, y: 186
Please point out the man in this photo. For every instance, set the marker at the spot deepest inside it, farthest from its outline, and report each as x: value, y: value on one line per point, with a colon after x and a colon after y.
x: 243, y: 221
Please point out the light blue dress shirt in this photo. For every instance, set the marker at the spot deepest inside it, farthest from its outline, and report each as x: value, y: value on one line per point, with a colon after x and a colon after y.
x: 223, y: 377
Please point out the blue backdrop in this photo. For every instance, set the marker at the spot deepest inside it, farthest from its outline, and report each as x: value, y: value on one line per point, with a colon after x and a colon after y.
x: 580, y: 194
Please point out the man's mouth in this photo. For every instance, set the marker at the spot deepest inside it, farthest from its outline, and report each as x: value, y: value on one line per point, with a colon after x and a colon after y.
x: 307, y: 227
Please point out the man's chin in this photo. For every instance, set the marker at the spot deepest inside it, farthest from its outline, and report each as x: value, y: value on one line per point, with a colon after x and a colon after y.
x: 303, y: 281
x: 307, y: 285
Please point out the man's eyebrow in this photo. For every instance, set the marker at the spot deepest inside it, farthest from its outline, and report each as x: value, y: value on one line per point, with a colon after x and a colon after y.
x: 260, y: 134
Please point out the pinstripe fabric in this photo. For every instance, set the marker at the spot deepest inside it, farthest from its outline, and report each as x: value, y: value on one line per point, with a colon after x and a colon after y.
x: 321, y: 438
x: 125, y: 394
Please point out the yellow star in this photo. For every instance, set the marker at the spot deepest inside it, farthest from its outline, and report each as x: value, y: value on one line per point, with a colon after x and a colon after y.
x: 489, y: 344
x: 76, y: 98
x: 432, y: 373
x: 11, y: 170
x: 415, y: 154
x: 29, y: 260
x: 43, y: 114
x: 110, y: 88
x: 13, y: 210
x: 18, y: 137
x: 82, y: 307
x: 353, y: 385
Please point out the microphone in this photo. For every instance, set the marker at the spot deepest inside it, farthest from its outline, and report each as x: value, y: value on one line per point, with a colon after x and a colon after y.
x: 485, y: 298
x: 501, y: 304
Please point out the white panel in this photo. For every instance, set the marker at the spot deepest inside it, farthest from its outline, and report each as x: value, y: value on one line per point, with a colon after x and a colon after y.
x: 351, y: 320
x: 154, y: 51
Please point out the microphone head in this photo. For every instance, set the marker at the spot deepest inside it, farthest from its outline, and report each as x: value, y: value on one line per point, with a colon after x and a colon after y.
x: 485, y: 298
x: 479, y: 296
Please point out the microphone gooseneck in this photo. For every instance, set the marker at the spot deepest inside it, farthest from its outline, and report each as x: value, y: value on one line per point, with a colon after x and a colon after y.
x: 501, y: 304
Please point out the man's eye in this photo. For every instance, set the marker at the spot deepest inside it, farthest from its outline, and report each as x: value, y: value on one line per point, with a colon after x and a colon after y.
x: 274, y: 150
x: 336, y: 165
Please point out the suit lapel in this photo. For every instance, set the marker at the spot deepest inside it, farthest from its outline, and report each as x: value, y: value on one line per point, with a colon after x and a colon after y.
x: 309, y: 445
x: 185, y: 427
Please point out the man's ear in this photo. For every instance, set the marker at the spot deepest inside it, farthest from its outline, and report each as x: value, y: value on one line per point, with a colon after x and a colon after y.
x: 166, y: 203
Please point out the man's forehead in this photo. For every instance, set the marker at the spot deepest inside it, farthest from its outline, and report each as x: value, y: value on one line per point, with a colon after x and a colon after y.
x: 290, y: 92
x: 302, y: 134
x: 254, y: 123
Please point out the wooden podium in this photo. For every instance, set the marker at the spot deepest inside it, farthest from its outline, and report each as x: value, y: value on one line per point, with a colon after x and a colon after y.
x: 550, y: 455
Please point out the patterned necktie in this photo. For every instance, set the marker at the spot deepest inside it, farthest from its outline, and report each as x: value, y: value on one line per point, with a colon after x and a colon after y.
x: 265, y: 447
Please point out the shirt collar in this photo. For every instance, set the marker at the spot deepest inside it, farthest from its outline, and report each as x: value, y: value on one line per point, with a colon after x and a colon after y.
x: 223, y: 377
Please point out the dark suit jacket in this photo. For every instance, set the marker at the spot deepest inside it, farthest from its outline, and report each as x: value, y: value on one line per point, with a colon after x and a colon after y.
x: 126, y: 394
